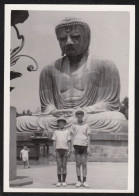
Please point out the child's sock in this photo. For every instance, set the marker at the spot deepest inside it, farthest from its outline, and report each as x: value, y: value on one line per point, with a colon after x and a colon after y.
x: 64, y: 177
x: 79, y: 178
x: 84, y: 179
x: 59, y: 177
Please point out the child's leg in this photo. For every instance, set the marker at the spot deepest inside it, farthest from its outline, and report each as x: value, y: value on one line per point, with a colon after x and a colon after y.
x: 59, y: 166
x: 64, y: 166
x: 24, y: 162
x: 28, y: 163
x: 78, y: 166
x: 84, y: 166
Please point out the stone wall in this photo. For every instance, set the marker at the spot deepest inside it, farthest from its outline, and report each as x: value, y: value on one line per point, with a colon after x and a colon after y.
x: 109, y: 147
x: 105, y: 147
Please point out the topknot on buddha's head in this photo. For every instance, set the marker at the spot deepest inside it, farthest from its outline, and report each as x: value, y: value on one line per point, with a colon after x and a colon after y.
x: 70, y: 21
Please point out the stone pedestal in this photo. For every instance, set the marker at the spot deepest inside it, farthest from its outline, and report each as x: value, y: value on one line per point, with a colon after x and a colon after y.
x: 109, y: 147
x: 12, y: 174
x: 105, y: 147
x: 14, y: 180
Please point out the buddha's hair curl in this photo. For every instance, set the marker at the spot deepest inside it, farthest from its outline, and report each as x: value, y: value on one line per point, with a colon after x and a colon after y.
x: 73, y: 21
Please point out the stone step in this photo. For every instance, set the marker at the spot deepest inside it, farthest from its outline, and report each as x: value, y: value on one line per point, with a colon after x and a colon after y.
x: 21, y: 181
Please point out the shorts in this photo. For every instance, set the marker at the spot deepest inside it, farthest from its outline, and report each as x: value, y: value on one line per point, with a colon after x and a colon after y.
x: 80, y: 149
x: 60, y: 153
x: 24, y: 159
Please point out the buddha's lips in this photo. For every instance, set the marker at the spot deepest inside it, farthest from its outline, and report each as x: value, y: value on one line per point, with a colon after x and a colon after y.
x: 69, y: 49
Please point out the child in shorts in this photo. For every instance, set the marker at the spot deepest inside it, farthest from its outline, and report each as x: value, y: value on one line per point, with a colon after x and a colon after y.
x: 24, y: 155
x: 61, y: 143
x: 81, y: 146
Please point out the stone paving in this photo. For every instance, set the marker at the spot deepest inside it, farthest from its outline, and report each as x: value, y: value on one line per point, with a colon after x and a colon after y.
x: 100, y: 176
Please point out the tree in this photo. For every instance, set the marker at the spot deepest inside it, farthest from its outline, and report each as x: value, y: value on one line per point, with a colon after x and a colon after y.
x: 124, y: 107
x: 24, y: 113
x: 28, y: 113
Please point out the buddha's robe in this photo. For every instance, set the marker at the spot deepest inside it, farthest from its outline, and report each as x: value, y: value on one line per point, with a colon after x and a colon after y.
x: 95, y: 86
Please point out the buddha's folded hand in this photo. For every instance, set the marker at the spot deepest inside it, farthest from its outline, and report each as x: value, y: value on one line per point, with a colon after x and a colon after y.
x: 66, y: 112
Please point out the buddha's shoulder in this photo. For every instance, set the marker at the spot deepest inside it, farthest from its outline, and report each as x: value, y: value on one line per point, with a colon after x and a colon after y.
x: 54, y: 65
x: 105, y: 63
x: 101, y: 62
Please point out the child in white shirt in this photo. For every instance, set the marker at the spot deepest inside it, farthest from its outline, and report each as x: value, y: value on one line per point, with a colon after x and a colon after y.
x: 62, y: 148
x: 81, y: 146
x: 24, y: 155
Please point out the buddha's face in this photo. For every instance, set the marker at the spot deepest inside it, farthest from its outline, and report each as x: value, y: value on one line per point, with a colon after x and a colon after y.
x: 73, y: 40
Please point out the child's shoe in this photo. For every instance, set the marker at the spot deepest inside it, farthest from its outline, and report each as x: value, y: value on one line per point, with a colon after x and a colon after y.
x: 85, y: 185
x: 64, y: 184
x: 58, y: 184
x: 78, y: 184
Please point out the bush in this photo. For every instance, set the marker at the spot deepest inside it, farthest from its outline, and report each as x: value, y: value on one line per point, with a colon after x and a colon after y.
x: 124, y: 107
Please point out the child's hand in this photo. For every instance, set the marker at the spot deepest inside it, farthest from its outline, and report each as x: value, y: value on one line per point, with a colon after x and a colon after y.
x: 88, y: 150
x: 54, y: 154
x: 73, y: 150
x: 69, y: 153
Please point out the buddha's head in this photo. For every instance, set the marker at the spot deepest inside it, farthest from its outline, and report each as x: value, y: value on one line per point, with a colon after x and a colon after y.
x: 73, y: 35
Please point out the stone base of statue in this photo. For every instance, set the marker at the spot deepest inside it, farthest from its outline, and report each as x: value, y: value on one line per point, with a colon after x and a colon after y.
x: 105, y: 147
x: 14, y: 180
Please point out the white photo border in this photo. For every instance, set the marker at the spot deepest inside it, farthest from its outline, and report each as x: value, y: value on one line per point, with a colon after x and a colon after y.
x: 131, y: 134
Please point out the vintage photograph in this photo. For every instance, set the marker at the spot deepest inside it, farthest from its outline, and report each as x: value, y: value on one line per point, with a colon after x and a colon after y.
x: 69, y: 98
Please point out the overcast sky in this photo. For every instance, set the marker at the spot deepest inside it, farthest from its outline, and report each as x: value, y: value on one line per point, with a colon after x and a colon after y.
x: 109, y: 39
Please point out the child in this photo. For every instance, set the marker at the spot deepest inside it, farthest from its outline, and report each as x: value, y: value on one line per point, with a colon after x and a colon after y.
x: 62, y: 148
x: 24, y: 156
x: 81, y: 146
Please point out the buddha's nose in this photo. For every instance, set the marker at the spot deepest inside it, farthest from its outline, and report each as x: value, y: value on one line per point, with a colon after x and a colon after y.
x: 69, y: 41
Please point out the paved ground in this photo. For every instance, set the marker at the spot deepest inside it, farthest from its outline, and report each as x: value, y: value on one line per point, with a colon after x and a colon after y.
x: 100, y: 176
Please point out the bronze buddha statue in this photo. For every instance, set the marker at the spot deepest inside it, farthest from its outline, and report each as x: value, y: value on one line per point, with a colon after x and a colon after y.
x: 77, y: 80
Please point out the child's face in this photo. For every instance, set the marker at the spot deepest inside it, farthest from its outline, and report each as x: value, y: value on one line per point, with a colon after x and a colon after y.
x: 61, y: 124
x: 25, y: 147
x: 79, y: 116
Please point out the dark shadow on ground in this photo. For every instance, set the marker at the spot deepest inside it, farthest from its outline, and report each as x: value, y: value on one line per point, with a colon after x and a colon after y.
x: 21, y: 177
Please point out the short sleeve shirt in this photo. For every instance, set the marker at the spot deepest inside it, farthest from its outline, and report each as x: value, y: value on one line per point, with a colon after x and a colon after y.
x: 80, y: 134
x: 24, y: 153
x: 61, y: 138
